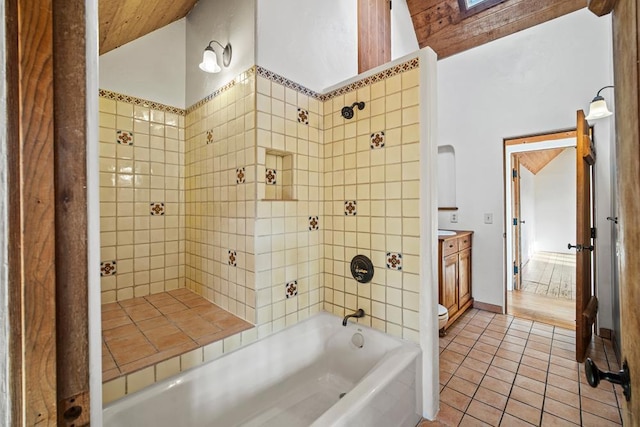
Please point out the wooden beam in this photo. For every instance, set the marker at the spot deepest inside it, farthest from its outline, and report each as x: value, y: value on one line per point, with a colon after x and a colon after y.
x: 72, y: 300
x: 32, y: 214
x: 374, y: 34
x: 601, y: 7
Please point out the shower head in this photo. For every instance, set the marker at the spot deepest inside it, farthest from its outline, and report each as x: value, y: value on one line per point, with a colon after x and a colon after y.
x: 347, y: 112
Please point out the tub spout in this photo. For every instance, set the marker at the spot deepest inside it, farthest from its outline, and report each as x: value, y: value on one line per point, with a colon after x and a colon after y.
x: 358, y: 314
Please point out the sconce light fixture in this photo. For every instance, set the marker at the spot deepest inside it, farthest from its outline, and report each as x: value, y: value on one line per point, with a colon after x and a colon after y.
x: 209, y: 62
x: 598, y: 107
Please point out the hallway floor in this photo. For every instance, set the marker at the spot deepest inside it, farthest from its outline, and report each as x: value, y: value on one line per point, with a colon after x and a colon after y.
x: 550, y: 274
x: 144, y: 331
x: 498, y: 370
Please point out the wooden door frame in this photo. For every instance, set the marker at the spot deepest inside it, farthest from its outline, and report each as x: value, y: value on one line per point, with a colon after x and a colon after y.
x: 538, y: 141
x: 48, y: 292
x: 516, y: 231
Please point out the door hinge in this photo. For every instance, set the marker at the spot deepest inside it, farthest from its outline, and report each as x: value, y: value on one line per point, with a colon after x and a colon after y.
x: 515, y: 269
x: 515, y: 221
x: 390, y: 5
x: 593, y: 232
x: 514, y: 173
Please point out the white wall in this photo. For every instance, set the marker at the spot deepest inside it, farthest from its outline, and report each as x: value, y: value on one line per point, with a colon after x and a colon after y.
x: 555, y: 204
x: 313, y: 43
x: 227, y: 22
x: 530, y: 82
x: 403, y: 36
x: 527, y: 213
x: 151, y: 67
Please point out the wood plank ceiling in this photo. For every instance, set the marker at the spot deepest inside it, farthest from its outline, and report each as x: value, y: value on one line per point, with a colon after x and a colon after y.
x: 535, y: 161
x: 440, y: 25
x: 122, y: 21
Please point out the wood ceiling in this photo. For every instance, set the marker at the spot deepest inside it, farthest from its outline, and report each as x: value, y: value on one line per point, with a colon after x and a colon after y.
x: 535, y: 161
x: 439, y: 24
x: 122, y: 21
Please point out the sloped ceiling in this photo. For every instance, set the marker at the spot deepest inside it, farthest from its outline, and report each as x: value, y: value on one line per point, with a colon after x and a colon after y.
x: 122, y: 21
x: 440, y: 25
x: 535, y: 161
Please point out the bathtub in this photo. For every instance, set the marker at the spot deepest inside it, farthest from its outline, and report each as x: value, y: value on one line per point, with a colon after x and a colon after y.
x: 315, y: 373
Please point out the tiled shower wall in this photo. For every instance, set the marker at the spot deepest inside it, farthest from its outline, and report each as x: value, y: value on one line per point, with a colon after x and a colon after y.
x: 371, y: 194
x: 220, y: 182
x: 141, y: 194
x: 289, y: 221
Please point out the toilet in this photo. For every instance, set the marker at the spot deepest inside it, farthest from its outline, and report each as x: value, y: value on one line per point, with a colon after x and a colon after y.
x: 443, y: 318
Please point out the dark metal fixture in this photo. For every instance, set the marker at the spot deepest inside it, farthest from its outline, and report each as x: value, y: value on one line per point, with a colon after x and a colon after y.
x: 612, y: 219
x: 358, y: 314
x: 347, y: 112
x: 594, y: 375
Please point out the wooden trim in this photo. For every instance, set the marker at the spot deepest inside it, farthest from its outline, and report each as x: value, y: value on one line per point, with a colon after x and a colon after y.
x: 33, y: 233
x: 467, y: 12
x: 541, y: 137
x: 488, y: 307
x: 72, y: 299
x: 13, y: 211
x: 605, y: 333
x: 601, y: 7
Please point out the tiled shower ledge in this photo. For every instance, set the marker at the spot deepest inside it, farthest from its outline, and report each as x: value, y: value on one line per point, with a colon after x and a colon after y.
x: 142, y: 332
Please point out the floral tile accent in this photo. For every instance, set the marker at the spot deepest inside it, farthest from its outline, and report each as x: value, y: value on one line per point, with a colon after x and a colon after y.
x: 314, y: 223
x: 108, y: 268
x: 124, y: 137
x: 303, y: 116
x: 241, y: 176
x: 270, y: 176
x: 139, y: 101
x: 157, y: 208
x: 291, y: 289
x: 377, y: 140
x: 209, y: 139
x: 394, y: 261
x: 350, y: 207
x: 233, y: 258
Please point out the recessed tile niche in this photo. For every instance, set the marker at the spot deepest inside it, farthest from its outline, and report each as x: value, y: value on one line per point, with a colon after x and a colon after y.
x: 279, y: 176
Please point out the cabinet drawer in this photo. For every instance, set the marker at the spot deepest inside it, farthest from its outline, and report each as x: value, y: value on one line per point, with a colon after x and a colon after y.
x: 464, y: 242
x: 449, y: 246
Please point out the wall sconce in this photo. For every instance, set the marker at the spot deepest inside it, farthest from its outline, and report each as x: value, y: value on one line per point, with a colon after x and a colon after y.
x: 598, y: 107
x: 209, y: 62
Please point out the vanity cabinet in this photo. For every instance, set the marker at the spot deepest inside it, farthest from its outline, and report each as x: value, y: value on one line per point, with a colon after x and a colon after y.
x: 454, y: 273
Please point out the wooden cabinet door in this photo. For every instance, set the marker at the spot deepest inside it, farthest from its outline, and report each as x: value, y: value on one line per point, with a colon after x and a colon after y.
x: 464, y: 277
x: 449, y: 283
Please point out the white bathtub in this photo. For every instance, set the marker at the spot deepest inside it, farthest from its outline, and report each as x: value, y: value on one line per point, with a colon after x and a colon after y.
x: 292, y: 378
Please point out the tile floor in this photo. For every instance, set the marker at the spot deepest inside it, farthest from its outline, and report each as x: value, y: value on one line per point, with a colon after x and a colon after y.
x: 550, y: 274
x: 141, y: 332
x: 503, y: 371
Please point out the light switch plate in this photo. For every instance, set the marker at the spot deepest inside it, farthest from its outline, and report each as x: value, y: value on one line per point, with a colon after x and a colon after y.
x: 488, y: 218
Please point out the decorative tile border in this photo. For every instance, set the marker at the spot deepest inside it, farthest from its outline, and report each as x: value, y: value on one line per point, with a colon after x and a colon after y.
x: 108, y: 268
x: 157, y: 208
x: 139, y: 101
x: 233, y: 258
x: 222, y: 89
x: 394, y: 261
x: 377, y: 140
x: 314, y: 223
x: 270, y: 176
x: 124, y: 137
x: 382, y: 75
x: 350, y: 207
x: 303, y: 116
x: 291, y: 289
x: 241, y: 176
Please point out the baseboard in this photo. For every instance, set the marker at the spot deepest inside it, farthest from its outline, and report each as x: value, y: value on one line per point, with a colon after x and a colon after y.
x: 487, y: 307
x: 605, y: 333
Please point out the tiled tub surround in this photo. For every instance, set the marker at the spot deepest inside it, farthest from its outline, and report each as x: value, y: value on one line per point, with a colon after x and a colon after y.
x: 371, y: 161
x: 371, y: 201
x: 141, y: 195
x: 329, y: 382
